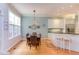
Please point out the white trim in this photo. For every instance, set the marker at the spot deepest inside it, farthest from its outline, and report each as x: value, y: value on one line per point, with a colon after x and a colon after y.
x: 12, y: 46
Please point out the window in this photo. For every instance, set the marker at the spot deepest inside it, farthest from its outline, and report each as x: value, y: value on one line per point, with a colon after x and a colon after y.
x: 14, y: 25
x: 11, y: 18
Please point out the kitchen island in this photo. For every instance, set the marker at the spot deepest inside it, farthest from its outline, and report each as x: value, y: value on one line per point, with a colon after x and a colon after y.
x: 65, y: 41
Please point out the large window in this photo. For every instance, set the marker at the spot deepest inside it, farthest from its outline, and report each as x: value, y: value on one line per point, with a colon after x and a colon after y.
x: 14, y: 25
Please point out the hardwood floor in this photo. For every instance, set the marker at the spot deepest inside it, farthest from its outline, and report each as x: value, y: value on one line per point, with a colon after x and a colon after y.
x: 46, y: 48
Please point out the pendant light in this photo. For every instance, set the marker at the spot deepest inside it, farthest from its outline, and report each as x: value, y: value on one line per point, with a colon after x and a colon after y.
x: 34, y: 25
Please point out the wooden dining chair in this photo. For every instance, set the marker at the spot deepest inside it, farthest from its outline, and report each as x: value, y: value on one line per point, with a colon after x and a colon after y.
x: 39, y: 39
x: 33, y: 40
x: 28, y: 39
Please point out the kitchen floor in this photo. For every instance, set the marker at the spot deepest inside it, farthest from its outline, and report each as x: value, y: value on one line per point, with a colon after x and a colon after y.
x: 46, y: 48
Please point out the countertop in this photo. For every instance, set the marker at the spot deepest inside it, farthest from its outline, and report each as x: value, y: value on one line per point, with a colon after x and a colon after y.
x: 64, y: 33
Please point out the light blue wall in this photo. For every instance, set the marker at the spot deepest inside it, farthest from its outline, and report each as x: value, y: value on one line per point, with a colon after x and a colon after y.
x: 42, y: 21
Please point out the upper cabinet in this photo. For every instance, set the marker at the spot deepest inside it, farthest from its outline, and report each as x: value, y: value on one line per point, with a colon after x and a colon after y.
x: 56, y: 23
x: 70, y: 19
x: 68, y: 24
x: 77, y: 25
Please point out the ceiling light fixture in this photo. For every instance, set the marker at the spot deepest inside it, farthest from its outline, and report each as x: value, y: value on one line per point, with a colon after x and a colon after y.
x: 34, y: 25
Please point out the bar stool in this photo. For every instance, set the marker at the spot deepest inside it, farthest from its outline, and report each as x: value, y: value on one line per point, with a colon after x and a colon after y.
x: 67, y: 45
x: 60, y: 43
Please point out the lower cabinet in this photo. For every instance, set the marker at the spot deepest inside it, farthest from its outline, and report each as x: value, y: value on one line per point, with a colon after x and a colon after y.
x: 65, y: 41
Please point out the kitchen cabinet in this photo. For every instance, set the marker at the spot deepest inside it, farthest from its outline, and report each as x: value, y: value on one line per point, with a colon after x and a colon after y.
x: 65, y: 41
x: 56, y: 23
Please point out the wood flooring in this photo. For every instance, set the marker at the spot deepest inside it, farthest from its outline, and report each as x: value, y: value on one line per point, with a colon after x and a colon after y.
x: 46, y: 48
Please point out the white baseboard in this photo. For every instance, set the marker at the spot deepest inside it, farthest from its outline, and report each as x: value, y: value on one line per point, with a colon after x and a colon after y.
x: 14, y: 44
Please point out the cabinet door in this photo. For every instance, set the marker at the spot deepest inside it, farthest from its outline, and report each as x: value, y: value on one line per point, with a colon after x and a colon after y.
x: 77, y: 26
x: 55, y: 23
x: 50, y: 23
x: 70, y: 21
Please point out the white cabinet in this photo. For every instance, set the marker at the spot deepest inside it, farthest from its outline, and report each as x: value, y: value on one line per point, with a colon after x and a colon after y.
x: 77, y: 25
x: 70, y: 21
x: 69, y: 41
x: 56, y: 23
x: 50, y: 23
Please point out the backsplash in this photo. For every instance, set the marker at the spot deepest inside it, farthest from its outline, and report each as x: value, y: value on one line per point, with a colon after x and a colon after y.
x: 55, y: 30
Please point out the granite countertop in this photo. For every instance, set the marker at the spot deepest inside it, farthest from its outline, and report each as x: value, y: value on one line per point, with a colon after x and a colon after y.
x: 64, y: 33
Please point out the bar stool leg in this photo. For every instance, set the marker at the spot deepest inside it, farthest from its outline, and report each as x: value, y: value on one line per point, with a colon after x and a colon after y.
x: 64, y: 50
x: 69, y: 48
x: 57, y: 48
x: 62, y: 45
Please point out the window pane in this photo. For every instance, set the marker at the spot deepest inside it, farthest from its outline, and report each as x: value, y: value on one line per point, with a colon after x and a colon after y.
x: 14, y: 25
x: 15, y: 30
x: 10, y: 31
x: 11, y: 18
x: 17, y: 20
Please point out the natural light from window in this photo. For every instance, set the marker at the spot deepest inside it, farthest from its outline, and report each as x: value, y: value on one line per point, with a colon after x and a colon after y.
x: 14, y: 25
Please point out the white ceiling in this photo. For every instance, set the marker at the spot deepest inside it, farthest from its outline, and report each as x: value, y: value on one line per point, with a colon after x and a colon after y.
x: 46, y: 9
